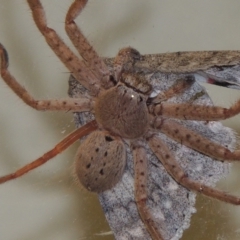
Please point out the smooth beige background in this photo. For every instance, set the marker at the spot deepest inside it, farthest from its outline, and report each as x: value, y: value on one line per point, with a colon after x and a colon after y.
x: 45, y: 204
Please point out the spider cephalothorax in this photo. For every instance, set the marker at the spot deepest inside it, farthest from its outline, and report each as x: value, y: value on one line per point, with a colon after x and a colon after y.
x: 122, y: 111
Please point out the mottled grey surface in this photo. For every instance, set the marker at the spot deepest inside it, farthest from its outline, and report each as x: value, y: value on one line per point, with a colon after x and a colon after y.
x: 170, y: 204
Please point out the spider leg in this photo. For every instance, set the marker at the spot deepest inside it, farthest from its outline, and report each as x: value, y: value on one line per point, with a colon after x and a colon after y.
x: 61, y: 146
x: 177, y: 88
x: 67, y: 104
x: 94, y: 62
x: 195, y: 141
x: 188, y: 111
x: 163, y: 153
x: 140, y: 188
x: 78, y: 68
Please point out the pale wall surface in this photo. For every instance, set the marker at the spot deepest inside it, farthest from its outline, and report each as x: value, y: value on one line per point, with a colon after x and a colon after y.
x: 45, y: 204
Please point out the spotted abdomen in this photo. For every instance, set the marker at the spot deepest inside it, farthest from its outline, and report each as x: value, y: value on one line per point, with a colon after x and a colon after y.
x: 100, y: 161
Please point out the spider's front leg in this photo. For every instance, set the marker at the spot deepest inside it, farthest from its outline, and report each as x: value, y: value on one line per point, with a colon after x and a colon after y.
x: 67, y: 104
x: 78, y: 68
x: 177, y: 88
x: 93, y: 61
x: 188, y: 111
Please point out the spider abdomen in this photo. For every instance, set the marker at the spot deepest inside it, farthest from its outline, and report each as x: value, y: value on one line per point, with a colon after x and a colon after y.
x: 122, y: 111
x: 100, y: 161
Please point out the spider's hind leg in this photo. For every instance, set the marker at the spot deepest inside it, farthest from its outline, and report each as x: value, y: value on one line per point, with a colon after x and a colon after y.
x: 60, y: 147
x: 140, y: 189
x: 170, y: 164
x: 194, y: 140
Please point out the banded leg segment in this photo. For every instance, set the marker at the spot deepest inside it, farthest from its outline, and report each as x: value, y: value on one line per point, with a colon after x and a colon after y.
x: 177, y: 88
x: 67, y: 104
x: 61, y: 146
x: 140, y: 187
x: 78, y: 68
x: 187, y: 111
x: 93, y: 61
x: 195, y: 141
x: 163, y: 153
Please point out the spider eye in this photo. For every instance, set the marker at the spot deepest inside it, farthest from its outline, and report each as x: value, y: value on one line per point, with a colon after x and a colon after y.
x: 108, y: 138
x: 113, y: 80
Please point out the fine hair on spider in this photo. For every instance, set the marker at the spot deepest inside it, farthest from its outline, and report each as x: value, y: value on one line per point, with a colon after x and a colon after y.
x: 125, y: 111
